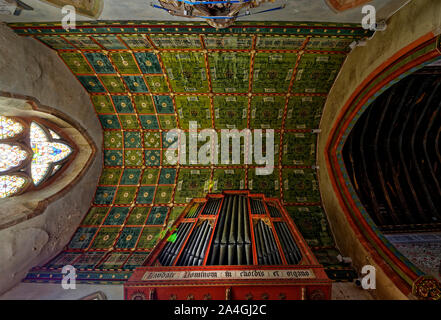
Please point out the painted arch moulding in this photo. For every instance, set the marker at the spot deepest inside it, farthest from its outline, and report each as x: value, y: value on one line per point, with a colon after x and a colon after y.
x: 407, y: 45
x: 397, y: 268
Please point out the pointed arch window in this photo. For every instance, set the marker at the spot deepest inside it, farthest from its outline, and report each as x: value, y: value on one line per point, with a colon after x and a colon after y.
x: 32, y: 153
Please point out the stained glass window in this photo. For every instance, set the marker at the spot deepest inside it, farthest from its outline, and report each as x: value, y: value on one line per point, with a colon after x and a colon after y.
x: 11, y: 156
x: 9, y: 128
x: 45, y: 153
x: 56, y: 168
x: 48, y: 154
x: 10, y: 185
x: 54, y: 135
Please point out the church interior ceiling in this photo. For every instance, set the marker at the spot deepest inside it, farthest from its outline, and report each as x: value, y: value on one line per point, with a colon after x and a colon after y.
x: 145, y: 79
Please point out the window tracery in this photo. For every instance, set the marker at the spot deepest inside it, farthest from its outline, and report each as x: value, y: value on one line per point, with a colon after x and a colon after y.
x: 30, y: 154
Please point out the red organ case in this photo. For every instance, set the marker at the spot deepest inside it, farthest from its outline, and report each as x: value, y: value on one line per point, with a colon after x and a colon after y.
x: 231, y: 246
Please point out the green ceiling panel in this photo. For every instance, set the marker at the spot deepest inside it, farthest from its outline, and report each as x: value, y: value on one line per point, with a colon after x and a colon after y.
x: 123, y: 104
x: 267, y: 112
x: 99, y: 62
x: 313, y: 225
x: 304, y: 112
x: 143, y: 104
x: 231, y: 112
x: 229, y: 71
x: 110, y: 176
x: 269, y: 185
x: 157, y: 84
x: 186, y: 71
x: 157, y: 216
x: 277, y: 42
x: 124, y: 62
x: 113, y: 84
x: 163, y: 104
x: 131, y: 122
x: 194, y: 108
x: 149, y: 237
x: 92, y: 84
x: 145, y: 195
x: 102, y: 104
x: 76, y: 62
x: 131, y: 177
x: 136, y: 42
x: 300, y: 186
x: 56, y: 42
x: 105, y: 238
x: 299, y: 149
x: 317, y: 72
x: 167, y: 176
x: 176, y: 41
x: 113, y: 139
x: 109, y: 42
x: 132, y: 140
x: 138, y: 216
x: 272, y: 72
x: 128, y: 238
x: 167, y: 122
x: 82, y: 42
x: 90, y: 259
x: 116, y: 216
x: 192, y: 183
x: 150, y: 176
x: 228, y: 179
x: 236, y: 42
x: 125, y: 195
x: 136, y: 84
x: 148, y: 62
x: 95, y: 216
x: 82, y: 238
x: 152, y: 140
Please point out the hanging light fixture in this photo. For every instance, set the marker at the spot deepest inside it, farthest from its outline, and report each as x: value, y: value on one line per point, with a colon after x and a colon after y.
x: 218, y: 13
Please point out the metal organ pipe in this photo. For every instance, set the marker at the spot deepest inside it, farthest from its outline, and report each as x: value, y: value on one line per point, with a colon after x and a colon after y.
x: 232, y: 241
x: 217, y: 240
x: 173, y: 249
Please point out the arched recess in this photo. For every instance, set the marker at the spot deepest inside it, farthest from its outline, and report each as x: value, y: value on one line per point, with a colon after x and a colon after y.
x: 410, y: 42
x: 32, y: 203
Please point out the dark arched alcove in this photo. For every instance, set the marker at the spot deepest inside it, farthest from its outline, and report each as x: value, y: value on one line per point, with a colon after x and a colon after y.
x: 393, y: 158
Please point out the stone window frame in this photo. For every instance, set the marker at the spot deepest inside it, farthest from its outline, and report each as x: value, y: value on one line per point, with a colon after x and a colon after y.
x: 24, y: 145
x: 33, y: 201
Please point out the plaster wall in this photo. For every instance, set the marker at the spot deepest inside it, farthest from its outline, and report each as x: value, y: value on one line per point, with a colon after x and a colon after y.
x: 414, y: 21
x: 29, y: 68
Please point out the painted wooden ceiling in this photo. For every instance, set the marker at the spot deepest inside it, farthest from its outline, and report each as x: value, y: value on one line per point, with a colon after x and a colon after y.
x: 145, y: 79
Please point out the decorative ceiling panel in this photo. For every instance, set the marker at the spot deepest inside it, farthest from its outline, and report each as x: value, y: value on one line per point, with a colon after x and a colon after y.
x: 146, y: 79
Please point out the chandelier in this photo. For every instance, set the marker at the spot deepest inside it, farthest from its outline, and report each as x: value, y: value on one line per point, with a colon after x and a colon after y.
x: 218, y: 13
